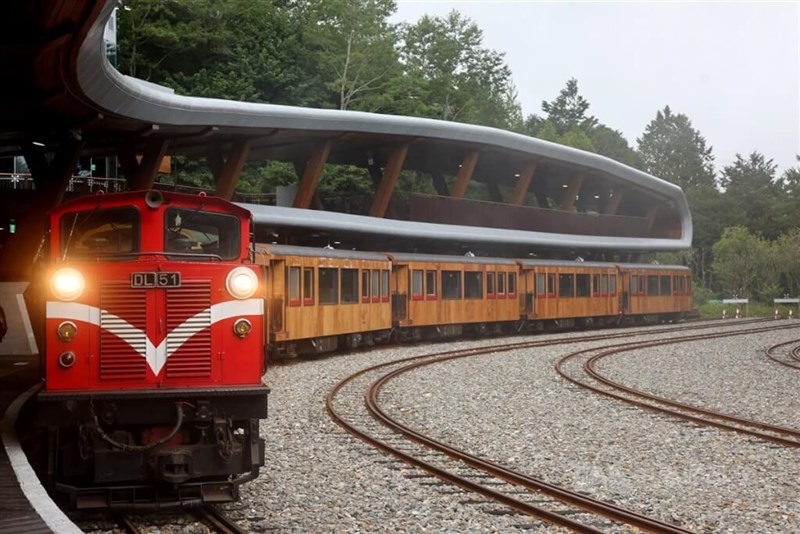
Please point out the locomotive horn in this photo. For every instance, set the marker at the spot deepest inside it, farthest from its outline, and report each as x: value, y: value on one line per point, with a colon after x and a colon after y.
x: 153, y: 199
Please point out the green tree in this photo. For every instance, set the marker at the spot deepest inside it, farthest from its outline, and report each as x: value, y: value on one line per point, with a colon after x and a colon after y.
x: 567, y: 123
x: 357, y: 47
x: 753, y: 194
x: 744, y: 263
x: 674, y: 151
x: 458, y: 78
x: 787, y: 261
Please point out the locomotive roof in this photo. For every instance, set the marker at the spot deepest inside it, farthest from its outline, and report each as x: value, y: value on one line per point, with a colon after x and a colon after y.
x: 311, y: 252
x: 442, y: 258
x: 131, y: 197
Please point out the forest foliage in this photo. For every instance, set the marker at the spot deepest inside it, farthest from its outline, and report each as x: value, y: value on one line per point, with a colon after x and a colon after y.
x: 347, y: 54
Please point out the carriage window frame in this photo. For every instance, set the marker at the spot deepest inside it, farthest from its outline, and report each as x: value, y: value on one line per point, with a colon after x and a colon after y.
x: 652, y: 285
x: 384, y: 285
x: 596, y: 278
x: 583, y: 285
x: 294, y: 283
x: 473, y: 285
x: 453, y: 290
x: 376, y: 285
x: 612, y: 285
x: 365, y: 290
x: 511, y: 289
x: 490, y: 286
x: 664, y: 285
x: 348, y: 291
x: 500, y: 291
x: 417, y: 281
x: 308, y: 286
x: 566, y: 281
x: 431, y: 285
x: 328, y: 295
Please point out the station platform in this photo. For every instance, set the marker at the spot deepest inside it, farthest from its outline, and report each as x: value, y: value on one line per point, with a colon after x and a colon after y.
x: 25, y: 506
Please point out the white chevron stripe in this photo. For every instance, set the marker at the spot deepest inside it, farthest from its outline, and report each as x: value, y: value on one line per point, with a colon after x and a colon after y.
x: 156, y: 356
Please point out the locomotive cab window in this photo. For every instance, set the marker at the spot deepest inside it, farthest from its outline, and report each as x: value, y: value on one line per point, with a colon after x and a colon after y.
x: 191, y: 232
x: 473, y: 285
x: 98, y: 233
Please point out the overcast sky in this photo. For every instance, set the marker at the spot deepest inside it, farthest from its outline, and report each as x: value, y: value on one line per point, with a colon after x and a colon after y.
x: 732, y: 68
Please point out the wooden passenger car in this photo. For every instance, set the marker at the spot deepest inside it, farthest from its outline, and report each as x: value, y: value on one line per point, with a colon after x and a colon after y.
x: 655, y: 291
x: 452, y: 291
x: 319, y: 298
x: 566, y: 290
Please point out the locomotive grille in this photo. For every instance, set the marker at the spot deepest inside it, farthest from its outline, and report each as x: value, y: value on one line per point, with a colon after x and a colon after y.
x: 121, y: 307
x: 189, y: 327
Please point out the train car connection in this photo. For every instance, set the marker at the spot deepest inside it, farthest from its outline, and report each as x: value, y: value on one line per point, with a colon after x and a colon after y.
x: 154, y: 351
x: 321, y: 299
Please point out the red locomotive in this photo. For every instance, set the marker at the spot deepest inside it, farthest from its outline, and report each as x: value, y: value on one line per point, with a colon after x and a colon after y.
x: 155, y: 351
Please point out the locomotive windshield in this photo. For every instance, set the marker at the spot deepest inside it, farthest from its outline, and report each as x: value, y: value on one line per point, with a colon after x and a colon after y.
x: 95, y: 233
x: 193, y: 232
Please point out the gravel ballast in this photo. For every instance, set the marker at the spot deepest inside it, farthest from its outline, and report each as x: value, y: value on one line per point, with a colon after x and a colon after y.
x: 512, y: 408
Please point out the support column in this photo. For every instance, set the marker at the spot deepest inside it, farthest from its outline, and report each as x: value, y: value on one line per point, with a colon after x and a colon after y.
x: 439, y: 183
x: 523, y: 184
x: 227, y: 174
x: 613, y: 202
x: 388, y: 181
x: 465, y: 174
x: 52, y: 178
x: 651, y: 216
x: 572, y: 191
x: 311, y: 174
x: 142, y: 174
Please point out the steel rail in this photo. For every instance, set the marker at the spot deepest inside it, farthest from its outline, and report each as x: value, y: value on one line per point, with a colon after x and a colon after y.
x: 794, y: 354
x: 748, y: 424
x: 562, y: 494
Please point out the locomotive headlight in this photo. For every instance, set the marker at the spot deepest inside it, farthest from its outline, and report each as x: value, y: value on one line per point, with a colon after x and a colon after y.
x: 67, y: 284
x: 242, y: 327
x: 242, y: 283
x: 66, y: 331
x: 66, y: 359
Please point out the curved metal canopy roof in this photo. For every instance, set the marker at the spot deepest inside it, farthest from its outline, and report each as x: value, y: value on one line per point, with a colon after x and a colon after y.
x: 109, y: 109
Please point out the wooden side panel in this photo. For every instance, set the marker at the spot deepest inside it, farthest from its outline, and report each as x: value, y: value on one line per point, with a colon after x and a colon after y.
x: 556, y: 306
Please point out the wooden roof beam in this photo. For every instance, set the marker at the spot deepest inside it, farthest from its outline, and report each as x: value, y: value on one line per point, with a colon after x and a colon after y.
x: 465, y: 171
x: 388, y: 181
x: 141, y: 174
x: 523, y: 184
x: 310, y: 172
x: 227, y: 175
x: 613, y: 201
x: 573, y: 190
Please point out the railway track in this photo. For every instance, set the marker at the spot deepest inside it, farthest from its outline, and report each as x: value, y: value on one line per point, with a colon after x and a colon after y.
x: 790, y: 357
x: 580, y: 368
x: 361, y: 415
x: 210, y: 516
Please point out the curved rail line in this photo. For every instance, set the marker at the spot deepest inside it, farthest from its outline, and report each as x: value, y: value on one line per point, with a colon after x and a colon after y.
x: 794, y: 354
x: 483, y: 467
x: 785, y: 436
